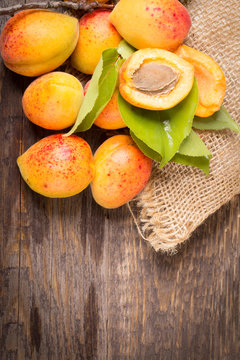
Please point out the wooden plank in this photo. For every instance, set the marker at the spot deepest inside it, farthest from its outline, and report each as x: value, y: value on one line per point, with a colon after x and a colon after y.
x: 10, y: 136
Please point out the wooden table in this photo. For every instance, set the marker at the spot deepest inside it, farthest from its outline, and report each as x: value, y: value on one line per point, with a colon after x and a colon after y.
x: 77, y: 281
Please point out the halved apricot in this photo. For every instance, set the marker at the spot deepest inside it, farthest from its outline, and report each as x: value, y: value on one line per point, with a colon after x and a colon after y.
x: 210, y: 78
x: 155, y: 79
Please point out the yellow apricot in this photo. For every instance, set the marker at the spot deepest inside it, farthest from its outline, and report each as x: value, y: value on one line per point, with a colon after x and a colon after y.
x: 34, y: 42
x: 110, y: 118
x: 210, y: 79
x: 121, y: 171
x: 57, y: 166
x: 155, y: 79
x: 96, y: 34
x: 162, y: 24
x: 53, y: 100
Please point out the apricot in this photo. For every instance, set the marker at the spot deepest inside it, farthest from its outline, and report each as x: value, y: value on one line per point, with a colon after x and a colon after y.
x: 53, y: 100
x: 210, y: 79
x: 110, y: 118
x: 96, y: 34
x: 162, y: 24
x: 155, y: 79
x: 121, y: 171
x: 57, y: 166
x: 34, y: 42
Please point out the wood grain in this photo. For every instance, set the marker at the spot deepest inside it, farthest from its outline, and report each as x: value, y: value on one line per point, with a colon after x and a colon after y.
x: 77, y: 282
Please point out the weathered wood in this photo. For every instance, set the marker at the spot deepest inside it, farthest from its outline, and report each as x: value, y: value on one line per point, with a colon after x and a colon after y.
x: 76, y: 6
x: 77, y: 282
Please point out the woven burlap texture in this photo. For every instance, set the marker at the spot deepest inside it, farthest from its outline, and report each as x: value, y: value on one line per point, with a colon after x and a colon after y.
x: 179, y: 198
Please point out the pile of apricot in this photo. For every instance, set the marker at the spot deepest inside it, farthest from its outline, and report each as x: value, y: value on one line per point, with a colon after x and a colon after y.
x: 157, y: 76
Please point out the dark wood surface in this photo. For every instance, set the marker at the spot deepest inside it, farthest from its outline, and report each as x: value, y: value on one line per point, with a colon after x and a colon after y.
x: 77, y: 282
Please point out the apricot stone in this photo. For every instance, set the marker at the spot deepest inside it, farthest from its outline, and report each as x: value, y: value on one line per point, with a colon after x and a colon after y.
x: 53, y: 100
x: 34, y: 42
x: 121, y: 171
x: 162, y: 24
x: 57, y: 166
x: 155, y: 79
x: 96, y: 34
x: 210, y: 79
x: 110, y: 118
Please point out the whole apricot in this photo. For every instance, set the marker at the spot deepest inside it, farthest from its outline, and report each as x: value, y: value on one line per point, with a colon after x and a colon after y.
x: 53, y: 100
x: 162, y: 24
x: 121, y: 171
x: 210, y: 79
x: 96, y: 34
x: 57, y: 166
x: 155, y: 79
x: 32, y: 44
x: 110, y: 118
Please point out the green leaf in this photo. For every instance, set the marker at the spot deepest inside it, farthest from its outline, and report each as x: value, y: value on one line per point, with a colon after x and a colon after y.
x: 162, y: 131
x: 125, y: 50
x: 199, y: 162
x: 146, y: 149
x: 194, y: 146
x: 192, y: 152
x: 218, y: 121
x: 100, y: 91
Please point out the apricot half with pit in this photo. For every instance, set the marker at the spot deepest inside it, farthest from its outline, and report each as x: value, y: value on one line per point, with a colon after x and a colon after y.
x: 121, y: 171
x: 210, y: 79
x: 57, y: 166
x: 155, y: 79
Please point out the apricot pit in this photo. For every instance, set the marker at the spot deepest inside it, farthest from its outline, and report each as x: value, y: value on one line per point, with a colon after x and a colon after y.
x: 155, y: 79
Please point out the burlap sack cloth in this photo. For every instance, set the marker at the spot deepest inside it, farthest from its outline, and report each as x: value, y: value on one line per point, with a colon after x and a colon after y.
x: 179, y: 198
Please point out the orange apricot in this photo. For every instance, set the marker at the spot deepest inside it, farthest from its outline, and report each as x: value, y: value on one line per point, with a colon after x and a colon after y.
x: 162, y: 24
x: 53, y: 100
x: 155, y: 79
x: 57, y: 166
x: 210, y: 79
x: 110, y: 118
x: 121, y: 171
x: 31, y: 43
x: 96, y: 34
